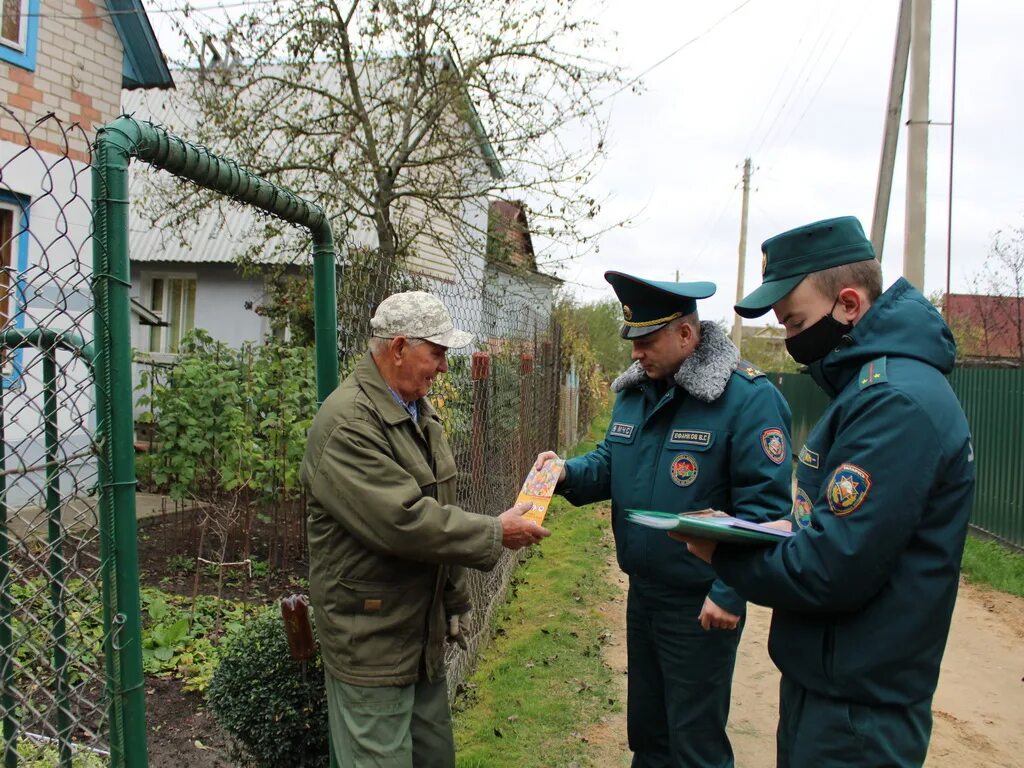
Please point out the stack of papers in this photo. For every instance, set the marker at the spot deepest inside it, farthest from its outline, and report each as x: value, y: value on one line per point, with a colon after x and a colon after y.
x: 709, y: 524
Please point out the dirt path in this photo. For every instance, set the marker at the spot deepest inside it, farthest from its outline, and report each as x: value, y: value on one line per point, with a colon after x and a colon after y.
x: 979, y: 705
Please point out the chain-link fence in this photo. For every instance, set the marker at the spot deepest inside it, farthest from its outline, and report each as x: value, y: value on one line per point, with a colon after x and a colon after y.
x: 71, y: 683
x: 56, y: 559
x: 499, y: 403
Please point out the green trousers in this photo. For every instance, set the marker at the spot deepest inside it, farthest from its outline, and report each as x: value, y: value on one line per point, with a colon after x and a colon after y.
x: 680, y: 681
x: 830, y: 733
x: 406, y: 726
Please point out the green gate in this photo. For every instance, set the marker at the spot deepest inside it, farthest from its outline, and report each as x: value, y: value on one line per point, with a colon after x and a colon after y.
x: 71, y: 678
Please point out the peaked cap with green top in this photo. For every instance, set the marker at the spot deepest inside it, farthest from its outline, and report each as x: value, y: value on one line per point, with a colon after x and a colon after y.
x: 650, y: 305
x: 788, y: 258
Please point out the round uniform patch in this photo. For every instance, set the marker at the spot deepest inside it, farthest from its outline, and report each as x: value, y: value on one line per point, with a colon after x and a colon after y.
x: 847, y: 489
x: 774, y: 444
x: 802, y: 507
x: 683, y: 470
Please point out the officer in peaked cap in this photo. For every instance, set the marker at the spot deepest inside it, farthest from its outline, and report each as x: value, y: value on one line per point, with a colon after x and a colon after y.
x: 864, y: 592
x: 692, y: 427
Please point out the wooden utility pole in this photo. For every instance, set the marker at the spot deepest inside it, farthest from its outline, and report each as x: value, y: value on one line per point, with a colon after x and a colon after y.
x: 917, y: 143
x: 890, y: 133
x: 737, y: 323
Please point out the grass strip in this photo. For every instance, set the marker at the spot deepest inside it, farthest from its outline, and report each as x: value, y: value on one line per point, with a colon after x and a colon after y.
x: 994, y: 565
x: 541, y: 682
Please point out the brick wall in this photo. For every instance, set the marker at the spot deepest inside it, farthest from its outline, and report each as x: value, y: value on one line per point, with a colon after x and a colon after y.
x: 77, y: 77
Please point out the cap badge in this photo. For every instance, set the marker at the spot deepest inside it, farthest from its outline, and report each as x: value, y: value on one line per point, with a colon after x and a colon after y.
x: 764, y: 262
x: 627, y: 313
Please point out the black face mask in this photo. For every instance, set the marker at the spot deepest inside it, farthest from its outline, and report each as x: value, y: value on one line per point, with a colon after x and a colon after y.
x: 816, y: 341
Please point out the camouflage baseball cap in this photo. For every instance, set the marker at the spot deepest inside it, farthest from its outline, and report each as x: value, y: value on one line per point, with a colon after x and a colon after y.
x: 417, y: 315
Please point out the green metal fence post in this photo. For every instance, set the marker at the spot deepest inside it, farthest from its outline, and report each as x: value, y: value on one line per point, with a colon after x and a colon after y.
x: 57, y: 564
x: 6, y: 614
x: 117, y: 467
x: 325, y: 311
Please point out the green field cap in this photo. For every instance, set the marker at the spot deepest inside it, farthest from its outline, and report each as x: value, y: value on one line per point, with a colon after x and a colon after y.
x: 649, y: 305
x: 788, y: 258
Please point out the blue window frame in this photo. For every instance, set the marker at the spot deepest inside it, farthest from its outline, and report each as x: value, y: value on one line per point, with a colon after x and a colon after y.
x: 14, y: 237
x: 19, y: 32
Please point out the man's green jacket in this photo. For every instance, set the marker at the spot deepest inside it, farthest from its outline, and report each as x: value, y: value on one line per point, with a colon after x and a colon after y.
x: 387, y: 543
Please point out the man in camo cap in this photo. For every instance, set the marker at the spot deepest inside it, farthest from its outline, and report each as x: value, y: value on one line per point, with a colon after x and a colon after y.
x: 389, y: 547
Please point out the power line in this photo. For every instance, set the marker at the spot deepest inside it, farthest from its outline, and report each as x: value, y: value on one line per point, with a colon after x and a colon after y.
x: 814, y: 96
x: 680, y: 49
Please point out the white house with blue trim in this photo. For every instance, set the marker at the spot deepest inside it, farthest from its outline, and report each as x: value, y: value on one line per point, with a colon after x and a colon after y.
x: 63, y: 65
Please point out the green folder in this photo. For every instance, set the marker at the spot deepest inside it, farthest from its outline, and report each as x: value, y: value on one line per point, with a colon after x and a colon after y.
x: 709, y: 524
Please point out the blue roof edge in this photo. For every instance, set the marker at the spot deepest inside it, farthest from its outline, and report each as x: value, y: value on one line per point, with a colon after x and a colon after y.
x: 144, y: 64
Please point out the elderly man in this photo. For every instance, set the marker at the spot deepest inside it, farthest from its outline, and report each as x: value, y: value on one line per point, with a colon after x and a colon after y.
x: 388, y: 546
x: 863, y: 593
x: 692, y: 427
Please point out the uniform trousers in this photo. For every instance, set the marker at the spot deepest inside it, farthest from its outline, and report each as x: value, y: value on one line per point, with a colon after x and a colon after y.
x: 818, y: 731
x: 680, y: 681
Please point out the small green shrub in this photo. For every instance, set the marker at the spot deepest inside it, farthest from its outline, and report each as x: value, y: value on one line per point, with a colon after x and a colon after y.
x: 276, y: 709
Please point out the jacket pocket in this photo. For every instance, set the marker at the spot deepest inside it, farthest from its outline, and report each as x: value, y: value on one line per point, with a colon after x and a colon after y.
x: 424, y: 477
x: 380, y: 625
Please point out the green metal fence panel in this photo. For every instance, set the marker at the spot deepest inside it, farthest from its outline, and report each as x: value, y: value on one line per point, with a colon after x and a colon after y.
x: 806, y: 401
x: 993, y: 400
x: 55, y: 557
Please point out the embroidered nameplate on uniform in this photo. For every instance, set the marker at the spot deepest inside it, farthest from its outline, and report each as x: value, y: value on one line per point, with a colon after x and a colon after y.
x: 773, y: 442
x: 683, y: 470
x: 698, y: 437
x: 370, y: 605
x: 847, y: 489
x: 809, y: 458
x: 622, y: 430
x: 872, y: 373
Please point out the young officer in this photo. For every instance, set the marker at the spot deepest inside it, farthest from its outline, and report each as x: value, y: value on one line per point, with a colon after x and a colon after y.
x: 693, y: 427
x: 864, y: 591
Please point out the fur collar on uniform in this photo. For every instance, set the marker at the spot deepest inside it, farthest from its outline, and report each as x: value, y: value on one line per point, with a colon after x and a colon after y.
x: 703, y: 375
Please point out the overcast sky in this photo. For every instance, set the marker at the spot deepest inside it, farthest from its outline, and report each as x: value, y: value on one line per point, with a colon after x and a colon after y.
x: 800, y: 86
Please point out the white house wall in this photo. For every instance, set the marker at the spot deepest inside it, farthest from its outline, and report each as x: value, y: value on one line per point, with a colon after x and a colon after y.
x: 55, y: 278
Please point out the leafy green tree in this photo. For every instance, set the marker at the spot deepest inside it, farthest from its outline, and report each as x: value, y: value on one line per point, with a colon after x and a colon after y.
x: 377, y: 110
x: 602, y: 321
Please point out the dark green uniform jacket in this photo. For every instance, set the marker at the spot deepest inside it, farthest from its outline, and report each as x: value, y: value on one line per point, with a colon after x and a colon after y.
x: 386, y: 541
x: 717, y: 437
x: 864, y: 593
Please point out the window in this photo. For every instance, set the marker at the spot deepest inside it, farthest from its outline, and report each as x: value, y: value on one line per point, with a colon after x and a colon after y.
x: 13, y: 261
x: 19, y: 24
x: 173, y: 297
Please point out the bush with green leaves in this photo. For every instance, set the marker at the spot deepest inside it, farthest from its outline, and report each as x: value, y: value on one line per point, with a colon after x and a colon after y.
x: 229, y: 421
x: 275, y: 707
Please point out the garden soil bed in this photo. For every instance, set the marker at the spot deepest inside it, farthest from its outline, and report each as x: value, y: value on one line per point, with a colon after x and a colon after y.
x: 181, y: 730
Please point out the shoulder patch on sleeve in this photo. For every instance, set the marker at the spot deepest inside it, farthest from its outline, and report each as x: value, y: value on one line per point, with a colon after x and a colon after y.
x: 847, y: 489
x: 747, y: 371
x: 872, y: 373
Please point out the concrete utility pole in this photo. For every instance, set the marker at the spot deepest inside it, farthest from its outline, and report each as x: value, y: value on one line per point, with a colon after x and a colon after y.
x: 737, y: 323
x: 917, y: 142
x: 890, y: 133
